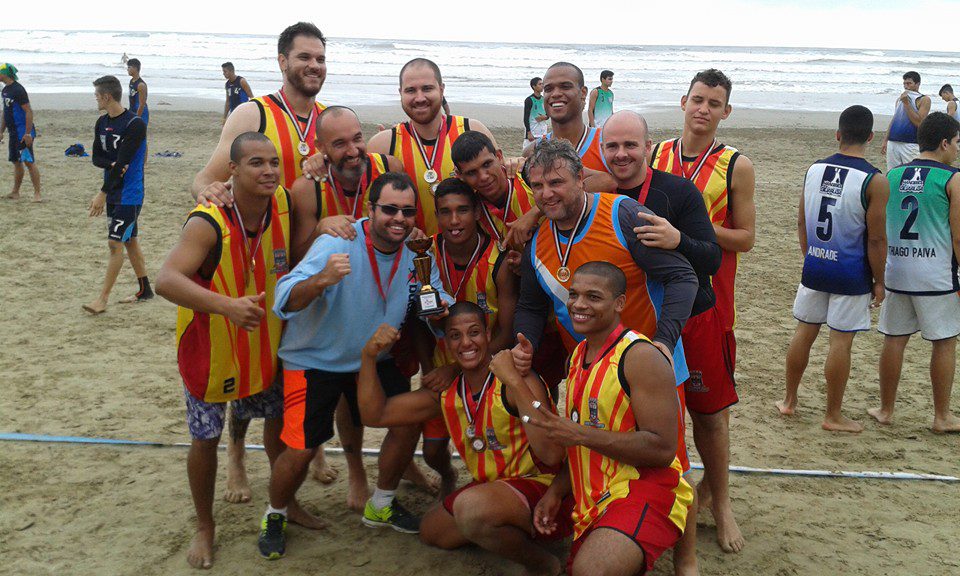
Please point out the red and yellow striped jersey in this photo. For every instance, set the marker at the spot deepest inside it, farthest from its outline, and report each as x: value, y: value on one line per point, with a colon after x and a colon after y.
x: 477, y: 284
x: 334, y: 202
x: 279, y: 128
x: 713, y: 181
x: 403, y: 145
x: 218, y: 360
x: 602, y: 400
x: 494, y: 219
x: 600, y: 238
x: 506, y: 451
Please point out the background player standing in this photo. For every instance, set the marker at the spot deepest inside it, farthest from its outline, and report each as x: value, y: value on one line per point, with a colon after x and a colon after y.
x: 18, y: 125
x: 237, y: 88
x: 601, y: 100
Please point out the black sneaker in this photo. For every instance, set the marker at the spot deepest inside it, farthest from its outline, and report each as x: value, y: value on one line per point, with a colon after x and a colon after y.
x: 273, y: 540
x: 392, y: 516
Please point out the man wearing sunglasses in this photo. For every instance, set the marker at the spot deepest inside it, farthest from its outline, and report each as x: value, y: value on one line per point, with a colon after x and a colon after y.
x: 333, y: 302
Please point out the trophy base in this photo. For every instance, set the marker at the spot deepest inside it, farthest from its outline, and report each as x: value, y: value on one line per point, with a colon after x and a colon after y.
x: 429, y: 303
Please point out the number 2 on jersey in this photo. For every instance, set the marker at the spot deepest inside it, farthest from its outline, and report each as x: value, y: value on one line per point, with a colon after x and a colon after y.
x: 913, y: 205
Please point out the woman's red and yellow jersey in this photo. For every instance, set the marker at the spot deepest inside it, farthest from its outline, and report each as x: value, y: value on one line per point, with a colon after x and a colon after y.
x: 713, y: 181
x: 330, y: 202
x: 507, y: 453
x: 590, y: 151
x: 404, y: 146
x: 478, y: 284
x: 279, y: 128
x: 600, y: 238
x: 218, y: 360
x: 521, y: 202
x: 604, y: 403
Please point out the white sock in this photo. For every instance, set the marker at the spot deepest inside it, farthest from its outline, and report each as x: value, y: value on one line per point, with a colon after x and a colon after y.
x: 272, y: 510
x: 382, y: 498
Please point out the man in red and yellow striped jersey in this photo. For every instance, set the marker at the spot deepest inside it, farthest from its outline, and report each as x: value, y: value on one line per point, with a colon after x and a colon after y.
x: 334, y: 201
x: 288, y: 119
x: 620, y: 433
x: 423, y: 143
x: 483, y: 417
x: 222, y: 274
x: 726, y: 179
x: 472, y: 269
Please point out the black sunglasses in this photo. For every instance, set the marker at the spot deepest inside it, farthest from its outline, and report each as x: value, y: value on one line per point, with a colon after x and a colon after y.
x: 391, y: 210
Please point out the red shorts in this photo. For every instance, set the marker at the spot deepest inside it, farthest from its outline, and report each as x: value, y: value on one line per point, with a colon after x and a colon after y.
x: 634, y: 517
x: 435, y: 429
x: 529, y: 492
x: 711, y: 355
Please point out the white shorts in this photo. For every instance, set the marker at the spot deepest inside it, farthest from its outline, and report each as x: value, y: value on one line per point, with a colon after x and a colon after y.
x: 841, y: 312
x: 935, y: 317
x: 900, y: 153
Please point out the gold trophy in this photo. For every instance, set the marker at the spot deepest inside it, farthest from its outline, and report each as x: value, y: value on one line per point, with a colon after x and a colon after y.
x: 428, y: 299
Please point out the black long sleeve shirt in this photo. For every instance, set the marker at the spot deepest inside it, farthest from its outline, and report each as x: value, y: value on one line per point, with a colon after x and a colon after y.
x: 668, y: 267
x: 115, y: 145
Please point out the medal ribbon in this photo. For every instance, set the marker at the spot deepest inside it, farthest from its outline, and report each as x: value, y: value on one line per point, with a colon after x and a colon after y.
x: 431, y: 163
x: 471, y: 408
x: 341, y: 195
x: 565, y: 254
x: 583, y: 374
x: 249, y: 256
x: 494, y: 231
x: 376, y: 267
x: 302, y: 133
x: 448, y: 265
x: 698, y: 163
x: 645, y: 188
x: 580, y: 151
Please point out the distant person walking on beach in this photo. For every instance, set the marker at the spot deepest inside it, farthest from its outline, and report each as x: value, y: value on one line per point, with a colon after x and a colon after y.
x: 842, y: 231
x: 923, y: 233
x: 534, y: 116
x: 17, y: 125
x: 138, y: 91
x: 119, y: 147
x: 900, y: 143
x: 601, y: 100
x: 238, y: 91
x: 946, y: 92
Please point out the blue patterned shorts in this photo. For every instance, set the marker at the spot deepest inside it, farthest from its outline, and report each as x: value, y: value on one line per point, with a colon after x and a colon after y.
x: 205, y: 419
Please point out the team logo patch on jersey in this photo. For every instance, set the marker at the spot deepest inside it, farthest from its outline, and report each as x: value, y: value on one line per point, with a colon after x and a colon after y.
x: 492, y: 442
x: 833, y: 179
x: 912, y: 183
x: 695, y: 384
x: 280, y: 265
x: 594, y: 407
x: 482, y: 302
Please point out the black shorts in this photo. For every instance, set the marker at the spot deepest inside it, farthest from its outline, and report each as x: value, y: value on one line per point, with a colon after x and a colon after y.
x: 16, y: 147
x: 122, y: 222
x: 310, y: 399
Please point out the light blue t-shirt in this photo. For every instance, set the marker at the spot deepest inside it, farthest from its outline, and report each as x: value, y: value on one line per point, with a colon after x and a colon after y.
x: 331, y: 331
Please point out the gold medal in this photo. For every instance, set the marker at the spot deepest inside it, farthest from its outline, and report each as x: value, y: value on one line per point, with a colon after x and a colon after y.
x: 563, y: 274
x: 478, y: 445
x: 303, y: 148
x: 430, y: 176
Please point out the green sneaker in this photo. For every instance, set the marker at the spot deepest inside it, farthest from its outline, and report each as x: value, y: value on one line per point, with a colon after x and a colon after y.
x: 273, y: 540
x: 392, y: 516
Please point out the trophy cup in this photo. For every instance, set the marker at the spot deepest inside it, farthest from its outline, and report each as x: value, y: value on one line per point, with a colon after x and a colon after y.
x: 428, y: 299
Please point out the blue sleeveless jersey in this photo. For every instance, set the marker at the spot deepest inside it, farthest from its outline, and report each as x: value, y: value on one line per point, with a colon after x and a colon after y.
x: 235, y: 93
x: 835, y: 210
x: 135, y: 100
x: 901, y: 128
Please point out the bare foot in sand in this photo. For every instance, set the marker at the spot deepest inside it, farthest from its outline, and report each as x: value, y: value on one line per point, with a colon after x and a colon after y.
x: 96, y: 307
x: 12, y: 196
x: 949, y: 425
x: 841, y: 424
x: 728, y: 532
x: 880, y: 415
x: 299, y: 516
x: 321, y: 470
x: 429, y: 484
x: 358, y: 492
x: 787, y: 407
x: 37, y: 198
x: 238, y: 487
x: 200, y: 554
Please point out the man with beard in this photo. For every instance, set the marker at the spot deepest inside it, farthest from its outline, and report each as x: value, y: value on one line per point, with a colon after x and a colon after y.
x: 287, y: 118
x: 423, y: 143
x: 360, y: 284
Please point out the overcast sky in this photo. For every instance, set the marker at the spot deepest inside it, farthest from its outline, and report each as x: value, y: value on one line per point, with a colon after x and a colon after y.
x: 876, y: 24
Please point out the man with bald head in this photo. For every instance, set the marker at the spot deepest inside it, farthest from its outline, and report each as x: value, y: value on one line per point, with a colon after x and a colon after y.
x: 681, y: 223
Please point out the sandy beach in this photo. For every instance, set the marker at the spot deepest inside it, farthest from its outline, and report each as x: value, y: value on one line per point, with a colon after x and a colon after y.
x: 78, y: 509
